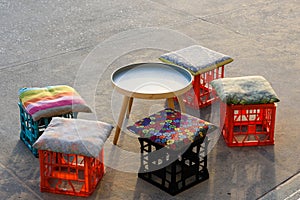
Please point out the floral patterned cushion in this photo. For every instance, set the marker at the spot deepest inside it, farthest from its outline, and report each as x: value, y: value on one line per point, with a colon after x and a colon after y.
x: 196, y: 59
x: 171, y: 128
x: 245, y: 90
x: 74, y: 136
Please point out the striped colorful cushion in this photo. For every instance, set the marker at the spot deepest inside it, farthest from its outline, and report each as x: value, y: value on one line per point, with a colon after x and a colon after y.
x: 51, y: 101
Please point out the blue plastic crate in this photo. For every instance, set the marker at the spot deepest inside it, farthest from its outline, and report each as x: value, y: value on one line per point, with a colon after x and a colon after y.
x: 32, y: 130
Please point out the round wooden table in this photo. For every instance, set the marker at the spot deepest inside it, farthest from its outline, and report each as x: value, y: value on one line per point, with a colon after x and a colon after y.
x: 149, y: 81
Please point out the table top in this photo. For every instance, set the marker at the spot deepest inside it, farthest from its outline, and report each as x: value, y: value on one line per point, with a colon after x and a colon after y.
x: 152, y: 80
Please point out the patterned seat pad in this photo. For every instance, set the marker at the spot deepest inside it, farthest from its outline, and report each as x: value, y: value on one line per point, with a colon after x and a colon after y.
x: 245, y: 90
x: 171, y: 128
x: 196, y: 59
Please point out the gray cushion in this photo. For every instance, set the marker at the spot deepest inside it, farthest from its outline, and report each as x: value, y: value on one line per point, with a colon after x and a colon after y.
x: 245, y: 90
x: 74, y: 136
x: 196, y: 59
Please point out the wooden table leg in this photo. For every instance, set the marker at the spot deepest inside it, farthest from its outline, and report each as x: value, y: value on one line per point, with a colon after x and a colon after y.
x: 121, y: 119
x: 170, y: 102
x: 129, y: 107
x: 181, y: 104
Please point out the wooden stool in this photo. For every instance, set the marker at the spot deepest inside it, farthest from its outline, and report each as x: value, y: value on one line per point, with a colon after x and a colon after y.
x: 247, y: 110
x: 205, y: 65
x: 173, y: 150
x: 71, y: 156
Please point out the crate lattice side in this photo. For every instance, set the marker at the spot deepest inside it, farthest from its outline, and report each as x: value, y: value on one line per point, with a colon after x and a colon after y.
x: 248, y: 125
x: 171, y: 172
x: 31, y: 130
x: 202, y: 94
x: 70, y: 173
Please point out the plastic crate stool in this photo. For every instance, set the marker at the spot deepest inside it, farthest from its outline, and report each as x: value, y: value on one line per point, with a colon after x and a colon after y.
x: 247, y: 110
x: 205, y: 65
x: 71, y: 155
x: 173, y: 150
x: 38, y: 106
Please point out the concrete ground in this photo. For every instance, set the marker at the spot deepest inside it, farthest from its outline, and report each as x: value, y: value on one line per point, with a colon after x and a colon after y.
x: 80, y: 43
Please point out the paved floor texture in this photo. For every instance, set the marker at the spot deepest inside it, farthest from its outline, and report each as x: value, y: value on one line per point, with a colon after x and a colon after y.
x: 80, y: 43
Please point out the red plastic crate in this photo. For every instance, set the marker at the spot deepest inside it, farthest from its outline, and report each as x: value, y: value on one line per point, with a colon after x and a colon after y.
x: 202, y: 93
x: 70, y: 174
x: 248, y: 125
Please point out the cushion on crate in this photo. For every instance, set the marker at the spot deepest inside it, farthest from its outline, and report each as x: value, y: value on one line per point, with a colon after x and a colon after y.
x: 74, y: 136
x: 196, y: 59
x: 245, y: 90
x: 171, y: 128
x: 51, y: 101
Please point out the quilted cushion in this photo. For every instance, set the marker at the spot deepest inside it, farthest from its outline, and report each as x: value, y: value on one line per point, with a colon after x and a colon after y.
x: 74, y: 136
x: 196, y: 59
x: 51, y: 101
x: 245, y: 90
x: 171, y: 128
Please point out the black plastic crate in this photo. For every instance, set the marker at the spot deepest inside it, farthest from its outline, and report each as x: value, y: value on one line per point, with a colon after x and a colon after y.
x: 173, y: 171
